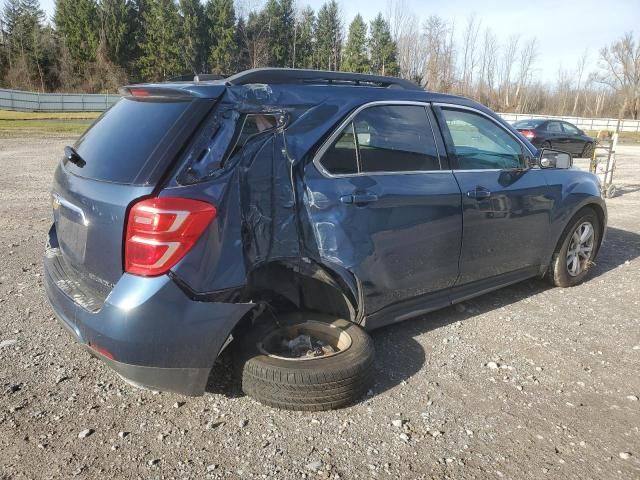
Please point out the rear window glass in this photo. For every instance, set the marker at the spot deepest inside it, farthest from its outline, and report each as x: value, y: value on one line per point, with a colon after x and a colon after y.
x: 527, y: 123
x: 117, y: 147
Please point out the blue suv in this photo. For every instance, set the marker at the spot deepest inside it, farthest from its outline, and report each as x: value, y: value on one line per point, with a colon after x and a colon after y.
x: 286, y: 212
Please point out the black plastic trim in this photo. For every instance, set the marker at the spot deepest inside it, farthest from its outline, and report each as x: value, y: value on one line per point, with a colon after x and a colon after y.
x: 300, y: 76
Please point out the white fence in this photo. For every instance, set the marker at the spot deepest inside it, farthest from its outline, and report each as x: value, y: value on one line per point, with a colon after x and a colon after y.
x: 583, y: 123
x: 54, y: 102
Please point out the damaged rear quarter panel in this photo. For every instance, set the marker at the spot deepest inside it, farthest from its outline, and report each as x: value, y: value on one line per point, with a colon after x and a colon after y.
x: 263, y: 205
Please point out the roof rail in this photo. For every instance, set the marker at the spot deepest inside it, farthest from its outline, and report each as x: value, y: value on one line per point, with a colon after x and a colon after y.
x: 299, y: 76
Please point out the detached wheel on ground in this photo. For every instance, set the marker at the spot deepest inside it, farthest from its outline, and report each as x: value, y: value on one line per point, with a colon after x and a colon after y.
x: 305, y: 361
x: 573, y: 258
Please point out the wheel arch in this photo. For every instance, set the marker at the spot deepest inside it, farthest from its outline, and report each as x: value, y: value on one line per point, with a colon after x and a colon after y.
x: 602, y: 221
x: 300, y: 284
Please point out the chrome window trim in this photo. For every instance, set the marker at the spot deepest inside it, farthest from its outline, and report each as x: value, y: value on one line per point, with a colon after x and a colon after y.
x: 334, y: 135
x: 59, y: 200
x: 480, y: 112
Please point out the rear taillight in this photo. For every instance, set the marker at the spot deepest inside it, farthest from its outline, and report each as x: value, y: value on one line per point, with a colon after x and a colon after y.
x: 529, y: 134
x: 160, y: 231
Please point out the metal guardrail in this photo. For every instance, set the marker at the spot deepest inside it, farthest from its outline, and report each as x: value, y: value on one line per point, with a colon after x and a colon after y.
x: 80, y: 102
x: 55, y: 102
x: 594, y: 124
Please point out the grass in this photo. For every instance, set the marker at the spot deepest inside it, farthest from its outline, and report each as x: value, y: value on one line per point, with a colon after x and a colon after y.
x: 44, y: 123
x: 11, y: 115
x: 626, y: 138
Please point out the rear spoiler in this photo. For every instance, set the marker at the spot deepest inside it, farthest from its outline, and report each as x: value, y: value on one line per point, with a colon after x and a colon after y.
x: 173, y: 90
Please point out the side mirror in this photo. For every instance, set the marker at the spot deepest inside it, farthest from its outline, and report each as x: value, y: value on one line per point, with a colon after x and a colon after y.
x: 549, y: 158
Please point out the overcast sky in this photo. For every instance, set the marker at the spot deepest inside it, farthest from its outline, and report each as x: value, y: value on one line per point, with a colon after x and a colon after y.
x: 563, y: 28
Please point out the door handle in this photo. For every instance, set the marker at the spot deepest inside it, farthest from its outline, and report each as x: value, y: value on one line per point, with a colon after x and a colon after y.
x: 479, y: 193
x: 359, y: 198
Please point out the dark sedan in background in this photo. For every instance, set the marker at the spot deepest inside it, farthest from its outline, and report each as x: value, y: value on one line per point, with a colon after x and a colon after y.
x: 557, y: 134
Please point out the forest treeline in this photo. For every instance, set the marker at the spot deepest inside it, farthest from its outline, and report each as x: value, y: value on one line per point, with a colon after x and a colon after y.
x: 95, y: 46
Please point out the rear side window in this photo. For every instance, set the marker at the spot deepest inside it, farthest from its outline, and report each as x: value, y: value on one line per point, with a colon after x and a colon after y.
x: 568, y: 128
x: 395, y: 139
x: 554, y: 127
x: 387, y: 138
x: 119, y: 145
x: 224, y: 134
x: 341, y: 157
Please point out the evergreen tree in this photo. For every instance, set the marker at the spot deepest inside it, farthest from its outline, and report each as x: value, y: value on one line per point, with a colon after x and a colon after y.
x: 241, y: 59
x: 255, y: 39
x: 160, y: 58
x: 117, y: 26
x: 382, y: 48
x: 138, y: 7
x: 22, y: 23
x: 77, y: 22
x: 304, y: 39
x: 280, y: 18
x: 224, y: 45
x: 329, y: 36
x: 192, y: 35
x: 355, y: 53
x: 27, y: 54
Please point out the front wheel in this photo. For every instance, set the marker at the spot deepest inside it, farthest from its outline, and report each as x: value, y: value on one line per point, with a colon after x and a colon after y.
x: 573, y: 258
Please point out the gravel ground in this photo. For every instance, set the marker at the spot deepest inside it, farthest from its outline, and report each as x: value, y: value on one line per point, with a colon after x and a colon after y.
x: 526, y: 382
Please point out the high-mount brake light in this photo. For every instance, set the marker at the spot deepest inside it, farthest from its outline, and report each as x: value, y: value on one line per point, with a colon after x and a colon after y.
x: 160, y: 231
x: 139, y: 92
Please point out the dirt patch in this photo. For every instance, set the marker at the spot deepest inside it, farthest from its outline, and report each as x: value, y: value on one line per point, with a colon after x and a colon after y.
x: 526, y: 382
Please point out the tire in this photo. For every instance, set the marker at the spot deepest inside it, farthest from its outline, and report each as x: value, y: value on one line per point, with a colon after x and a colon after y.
x: 587, y: 152
x: 611, y: 191
x: 569, y: 270
x: 310, y: 384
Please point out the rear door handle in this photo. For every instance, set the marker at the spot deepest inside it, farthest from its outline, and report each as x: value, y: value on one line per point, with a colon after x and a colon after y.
x: 359, y: 198
x: 479, y: 193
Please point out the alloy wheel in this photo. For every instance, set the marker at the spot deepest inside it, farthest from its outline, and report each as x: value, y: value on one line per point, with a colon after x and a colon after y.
x: 580, y: 249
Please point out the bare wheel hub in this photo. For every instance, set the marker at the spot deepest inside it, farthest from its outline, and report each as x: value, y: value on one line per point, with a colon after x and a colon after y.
x: 305, y: 341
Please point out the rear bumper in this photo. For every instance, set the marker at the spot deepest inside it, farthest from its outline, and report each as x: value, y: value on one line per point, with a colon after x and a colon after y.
x: 147, y: 329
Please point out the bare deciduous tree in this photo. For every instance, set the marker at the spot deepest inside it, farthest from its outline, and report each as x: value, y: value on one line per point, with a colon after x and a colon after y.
x: 439, y: 48
x: 411, y: 52
x: 469, y: 52
x: 525, y: 67
x: 506, y: 68
x: 488, y: 65
x: 580, y: 67
x: 620, y: 70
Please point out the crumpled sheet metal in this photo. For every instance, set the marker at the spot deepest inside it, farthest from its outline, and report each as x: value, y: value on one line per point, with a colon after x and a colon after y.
x: 261, y: 194
x: 276, y: 221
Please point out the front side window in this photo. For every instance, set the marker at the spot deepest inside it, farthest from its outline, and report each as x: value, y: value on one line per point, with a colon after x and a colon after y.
x: 481, y: 144
x: 386, y: 138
